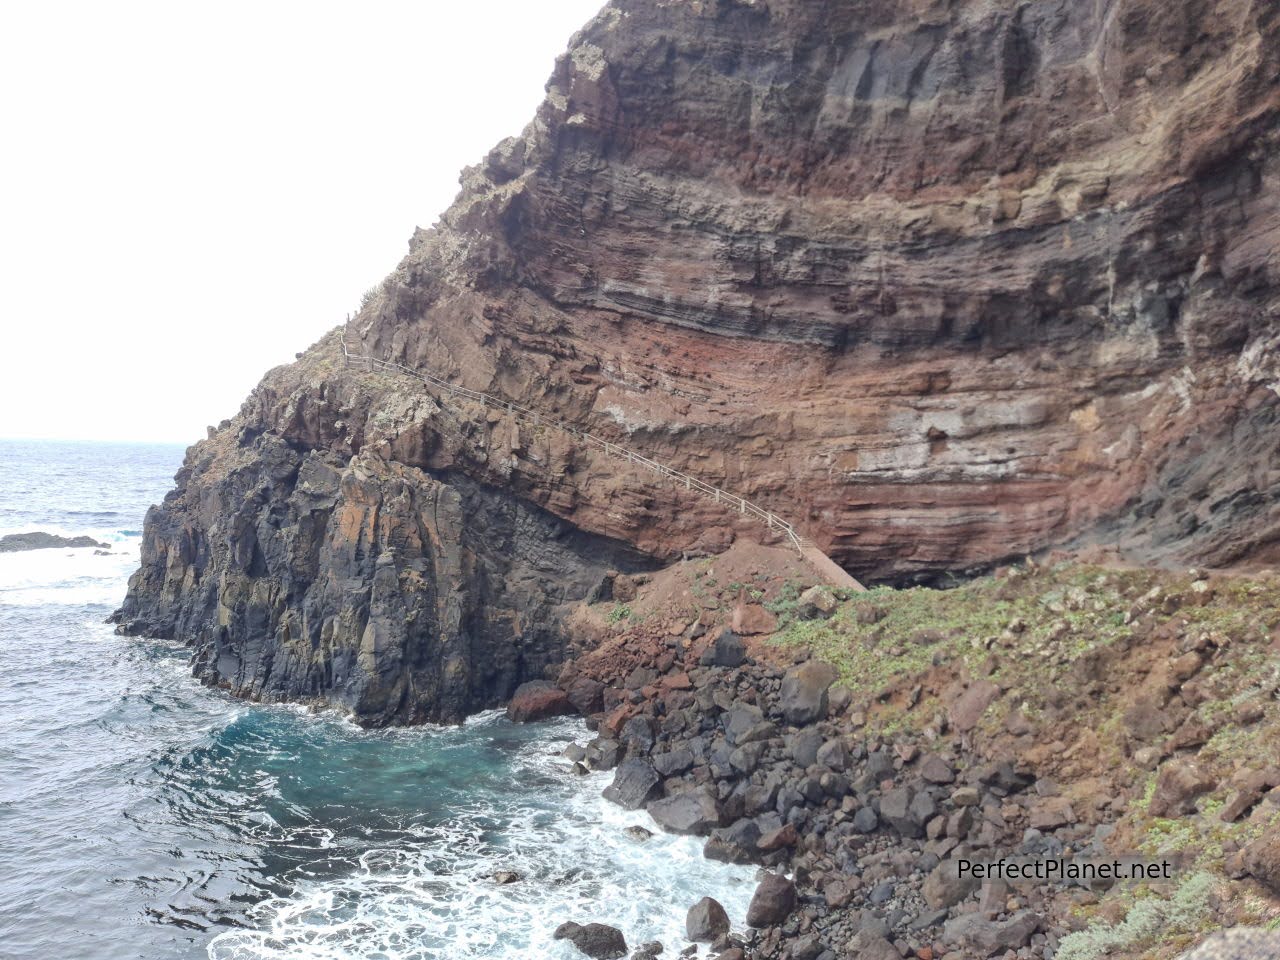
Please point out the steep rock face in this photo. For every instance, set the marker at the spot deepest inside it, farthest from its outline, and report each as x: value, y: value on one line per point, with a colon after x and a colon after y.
x: 942, y: 282
x: 303, y: 565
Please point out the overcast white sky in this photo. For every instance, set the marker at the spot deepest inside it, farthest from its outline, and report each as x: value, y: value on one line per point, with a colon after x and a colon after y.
x: 191, y: 193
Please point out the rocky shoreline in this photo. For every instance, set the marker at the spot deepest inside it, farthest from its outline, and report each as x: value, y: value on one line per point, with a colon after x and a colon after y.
x: 39, y: 540
x: 778, y: 761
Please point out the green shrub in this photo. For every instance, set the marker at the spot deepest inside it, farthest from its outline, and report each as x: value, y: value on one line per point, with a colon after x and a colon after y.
x: 1149, y: 921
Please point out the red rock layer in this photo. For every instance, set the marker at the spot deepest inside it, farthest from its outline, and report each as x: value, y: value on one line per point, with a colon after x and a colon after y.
x: 943, y: 282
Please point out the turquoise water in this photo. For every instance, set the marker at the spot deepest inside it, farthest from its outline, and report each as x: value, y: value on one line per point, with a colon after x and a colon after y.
x: 145, y: 816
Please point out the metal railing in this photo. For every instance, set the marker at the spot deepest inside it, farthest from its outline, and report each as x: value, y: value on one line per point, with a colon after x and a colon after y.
x: 732, y: 501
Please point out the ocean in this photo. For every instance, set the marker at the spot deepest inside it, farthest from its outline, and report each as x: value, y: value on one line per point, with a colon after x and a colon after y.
x: 143, y: 815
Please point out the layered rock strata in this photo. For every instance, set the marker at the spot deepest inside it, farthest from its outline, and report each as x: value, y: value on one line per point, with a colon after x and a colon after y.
x: 941, y: 282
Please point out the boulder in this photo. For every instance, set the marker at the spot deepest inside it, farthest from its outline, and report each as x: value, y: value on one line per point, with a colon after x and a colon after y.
x: 745, y: 723
x: 865, y: 820
x: 833, y: 754
x: 634, y: 782
x: 602, y: 754
x: 637, y: 736
x: 772, y: 902
x: 871, y: 945
x: 706, y: 921
x: 936, y: 770
x: 691, y: 812
x: 597, y: 940
x: 803, y: 697
x: 964, y: 712
x: 751, y: 619
x: 985, y: 937
x: 804, y: 747
x: 726, y: 650
x: 817, y: 601
x: 673, y: 761
x: 1242, y: 943
x: 39, y: 540
x: 1049, y: 813
x: 1178, y: 784
x: 586, y: 695
x: 1261, y: 859
x: 537, y: 700
x: 735, y: 843
x: 895, y: 809
x: 1249, y: 787
x: 784, y: 836
x: 944, y: 887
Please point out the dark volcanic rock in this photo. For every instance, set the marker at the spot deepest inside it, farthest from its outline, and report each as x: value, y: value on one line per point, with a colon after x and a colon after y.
x: 735, y: 843
x: 586, y: 695
x: 706, y: 921
x: 634, y: 782
x: 804, y: 692
x: 727, y: 650
x: 537, y: 700
x: 38, y: 540
x: 401, y: 595
x: 691, y: 812
x: 597, y: 940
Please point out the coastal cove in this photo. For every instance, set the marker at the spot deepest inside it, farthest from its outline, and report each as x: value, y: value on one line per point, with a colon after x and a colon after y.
x: 144, y: 814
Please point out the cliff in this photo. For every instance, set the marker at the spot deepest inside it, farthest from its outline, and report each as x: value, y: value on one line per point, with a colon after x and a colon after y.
x: 943, y: 283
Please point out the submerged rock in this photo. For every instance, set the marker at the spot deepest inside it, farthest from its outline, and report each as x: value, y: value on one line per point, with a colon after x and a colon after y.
x: 38, y: 540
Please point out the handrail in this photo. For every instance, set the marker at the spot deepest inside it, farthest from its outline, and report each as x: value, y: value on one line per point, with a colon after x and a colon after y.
x: 744, y: 506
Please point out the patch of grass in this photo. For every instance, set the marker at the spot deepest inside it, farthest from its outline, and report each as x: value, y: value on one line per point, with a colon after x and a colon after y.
x: 619, y: 612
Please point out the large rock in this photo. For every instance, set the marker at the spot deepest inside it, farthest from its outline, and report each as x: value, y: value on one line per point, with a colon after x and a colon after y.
x: 691, y: 812
x: 986, y: 937
x: 706, y: 921
x: 735, y: 843
x: 634, y: 782
x: 871, y: 945
x: 772, y: 902
x: 817, y: 601
x: 1242, y: 943
x: 597, y: 940
x: 751, y: 619
x: 944, y: 887
x: 964, y: 712
x: 1178, y: 784
x: 538, y: 700
x: 745, y: 723
x: 896, y: 809
x: 1262, y: 860
x: 803, y: 697
x: 586, y: 695
x: 726, y: 650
